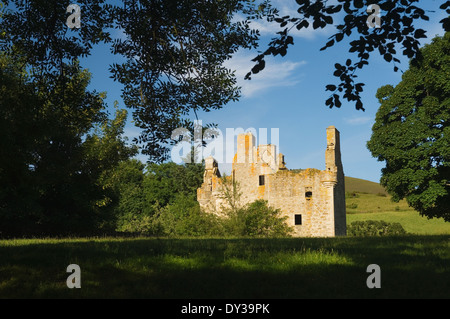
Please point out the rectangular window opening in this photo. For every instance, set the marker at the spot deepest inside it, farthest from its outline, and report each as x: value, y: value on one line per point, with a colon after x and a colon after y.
x: 297, y: 219
x: 261, y: 180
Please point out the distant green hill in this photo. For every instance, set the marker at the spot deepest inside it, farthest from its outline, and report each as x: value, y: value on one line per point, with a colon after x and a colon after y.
x: 366, y: 200
x: 363, y: 186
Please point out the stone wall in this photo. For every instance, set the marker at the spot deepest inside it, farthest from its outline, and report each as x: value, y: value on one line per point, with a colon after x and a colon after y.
x: 313, y: 200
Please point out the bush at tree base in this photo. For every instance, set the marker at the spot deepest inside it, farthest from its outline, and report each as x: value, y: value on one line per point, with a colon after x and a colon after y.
x: 374, y: 228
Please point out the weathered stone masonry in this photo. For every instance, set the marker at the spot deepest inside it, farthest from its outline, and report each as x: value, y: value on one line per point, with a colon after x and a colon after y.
x: 312, y: 199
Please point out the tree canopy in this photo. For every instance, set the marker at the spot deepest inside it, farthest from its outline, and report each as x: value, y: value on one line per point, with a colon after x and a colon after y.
x: 51, y: 160
x: 412, y: 132
x: 65, y: 168
x: 174, y: 53
x: 174, y: 50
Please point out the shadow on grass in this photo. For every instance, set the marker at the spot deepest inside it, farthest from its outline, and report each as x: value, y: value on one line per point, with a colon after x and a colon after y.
x: 411, y: 267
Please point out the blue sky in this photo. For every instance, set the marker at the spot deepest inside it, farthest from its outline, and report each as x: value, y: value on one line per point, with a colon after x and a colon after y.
x: 289, y: 95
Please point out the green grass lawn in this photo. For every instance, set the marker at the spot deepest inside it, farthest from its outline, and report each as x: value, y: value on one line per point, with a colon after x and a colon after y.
x: 412, y: 222
x: 411, y: 267
x: 364, y: 206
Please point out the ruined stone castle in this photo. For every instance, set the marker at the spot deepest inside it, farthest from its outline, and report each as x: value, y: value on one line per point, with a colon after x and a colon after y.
x: 313, y: 200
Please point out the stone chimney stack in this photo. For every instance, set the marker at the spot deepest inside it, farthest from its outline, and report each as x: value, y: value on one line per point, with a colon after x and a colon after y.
x: 333, y: 153
x: 245, y: 146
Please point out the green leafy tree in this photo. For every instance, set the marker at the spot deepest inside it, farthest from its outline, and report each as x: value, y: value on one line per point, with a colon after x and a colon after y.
x: 175, y: 50
x: 164, y: 181
x: 37, y: 29
x: 183, y: 217
x: 230, y: 193
x: 50, y: 167
x: 174, y: 53
x: 19, y: 106
x: 42, y: 152
x: 115, y: 176
x: 412, y: 132
x: 158, y: 200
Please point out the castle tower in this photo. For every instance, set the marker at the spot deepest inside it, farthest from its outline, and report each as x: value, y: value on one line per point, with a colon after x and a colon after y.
x: 245, y: 148
x: 333, y: 153
x: 333, y: 164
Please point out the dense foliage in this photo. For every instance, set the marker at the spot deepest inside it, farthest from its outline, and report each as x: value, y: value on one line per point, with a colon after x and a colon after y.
x: 256, y: 219
x: 371, y: 228
x: 173, y: 53
x: 52, y: 159
x: 412, y: 132
x: 65, y: 168
x: 162, y: 201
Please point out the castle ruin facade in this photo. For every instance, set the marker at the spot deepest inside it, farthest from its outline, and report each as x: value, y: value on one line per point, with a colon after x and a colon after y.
x: 313, y: 200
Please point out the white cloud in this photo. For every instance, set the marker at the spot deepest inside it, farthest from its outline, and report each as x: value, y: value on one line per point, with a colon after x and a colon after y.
x: 119, y: 34
x: 360, y: 120
x: 130, y: 130
x: 275, y: 74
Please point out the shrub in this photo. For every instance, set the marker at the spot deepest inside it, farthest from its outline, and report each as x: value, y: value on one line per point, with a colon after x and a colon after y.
x: 184, y: 217
x: 374, y: 228
x: 351, y: 195
x: 256, y: 219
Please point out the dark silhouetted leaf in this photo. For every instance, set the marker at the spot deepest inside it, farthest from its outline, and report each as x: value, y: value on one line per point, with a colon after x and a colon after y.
x: 419, y: 33
x: 328, y: 19
x: 445, y: 24
x: 337, y: 101
x: 359, y: 105
x: 359, y: 87
x: 445, y: 5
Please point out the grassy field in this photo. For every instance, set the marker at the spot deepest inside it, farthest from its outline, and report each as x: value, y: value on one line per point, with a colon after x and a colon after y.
x: 411, y: 222
x: 365, y: 200
x: 411, y: 267
x: 353, y: 184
